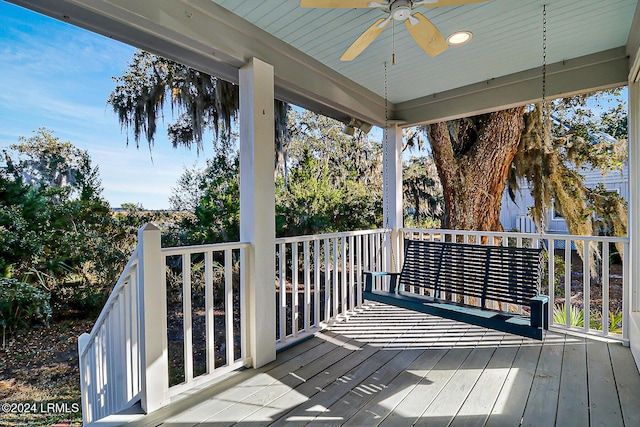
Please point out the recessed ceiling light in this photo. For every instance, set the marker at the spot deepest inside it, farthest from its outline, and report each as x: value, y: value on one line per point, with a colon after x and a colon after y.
x: 459, y: 37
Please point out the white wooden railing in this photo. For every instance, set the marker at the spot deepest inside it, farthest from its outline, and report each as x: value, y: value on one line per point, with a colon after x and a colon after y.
x: 206, y: 312
x: 589, y: 281
x: 176, y: 318
x: 327, y: 284
x: 129, y: 357
x: 110, y: 357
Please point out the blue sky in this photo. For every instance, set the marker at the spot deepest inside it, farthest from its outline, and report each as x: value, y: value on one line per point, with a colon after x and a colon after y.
x: 58, y: 76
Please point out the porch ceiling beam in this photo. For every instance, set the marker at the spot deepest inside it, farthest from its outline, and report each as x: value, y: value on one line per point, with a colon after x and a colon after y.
x: 601, y: 70
x: 206, y: 36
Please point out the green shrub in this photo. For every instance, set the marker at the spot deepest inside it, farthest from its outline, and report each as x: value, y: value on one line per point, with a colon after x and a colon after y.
x: 595, y: 322
x: 560, y: 315
x: 22, y: 304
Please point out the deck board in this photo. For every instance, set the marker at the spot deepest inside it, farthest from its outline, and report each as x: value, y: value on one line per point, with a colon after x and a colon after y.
x: 414, y: 403
x: 512, y: 400
x: 603, y: 397
x: 357, y: 397
x: 627, y: 383
x: 448, y: 402
x: 543, y: 400
x: 391, y: 367
x: 477, y: 406
x: 384, y: 402
x: 573, y: 403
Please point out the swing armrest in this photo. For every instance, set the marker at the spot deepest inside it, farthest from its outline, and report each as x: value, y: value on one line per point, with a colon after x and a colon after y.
x: 369, y: 275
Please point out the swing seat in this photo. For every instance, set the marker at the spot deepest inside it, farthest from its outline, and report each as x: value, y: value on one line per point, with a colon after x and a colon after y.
x: 491, y: 286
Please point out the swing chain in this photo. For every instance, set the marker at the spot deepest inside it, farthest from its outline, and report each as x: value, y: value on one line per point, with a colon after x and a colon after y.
x: 545, y: 109
x: 385, y: 148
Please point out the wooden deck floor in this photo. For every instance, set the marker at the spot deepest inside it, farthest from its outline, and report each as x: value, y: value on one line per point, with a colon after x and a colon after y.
x: 392, y: 367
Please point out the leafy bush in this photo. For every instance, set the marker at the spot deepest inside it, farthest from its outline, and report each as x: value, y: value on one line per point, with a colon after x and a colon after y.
x: 560, y: 315
x: 558, y: 277
x: 577, y: 318
x: 22, y: 304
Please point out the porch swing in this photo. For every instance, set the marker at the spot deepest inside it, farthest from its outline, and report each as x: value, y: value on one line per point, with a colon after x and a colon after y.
x: 452, y: 274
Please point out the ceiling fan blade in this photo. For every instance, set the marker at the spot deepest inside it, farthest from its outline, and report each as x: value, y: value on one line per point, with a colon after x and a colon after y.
x: 335, y: 4
x: 364, y: 40
x: 446, y: 3
x: 426, y: 35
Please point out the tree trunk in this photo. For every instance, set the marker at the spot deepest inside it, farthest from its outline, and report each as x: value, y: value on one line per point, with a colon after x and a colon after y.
x: 473, y: 157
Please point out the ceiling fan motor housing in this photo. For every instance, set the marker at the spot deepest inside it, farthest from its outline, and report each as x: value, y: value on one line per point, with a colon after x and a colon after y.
x: 400, y: 9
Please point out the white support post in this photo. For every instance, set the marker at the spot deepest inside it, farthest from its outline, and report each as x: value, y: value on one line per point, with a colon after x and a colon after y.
x: 632, y: 264
x: 83, y: 342
x: 153, y: 317
x: 392, y: 190
x: 257, y: 206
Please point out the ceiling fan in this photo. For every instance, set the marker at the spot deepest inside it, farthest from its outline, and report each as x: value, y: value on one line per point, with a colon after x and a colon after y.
x: 425, y: 34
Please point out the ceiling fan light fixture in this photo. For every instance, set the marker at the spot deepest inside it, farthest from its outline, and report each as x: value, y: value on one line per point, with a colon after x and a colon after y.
x: 459, y: 37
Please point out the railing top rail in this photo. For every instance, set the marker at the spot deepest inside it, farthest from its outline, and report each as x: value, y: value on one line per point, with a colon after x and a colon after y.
x: 312, y: 237
x: 185, y: 250
x: 544, y: 236
x: 114, y: 294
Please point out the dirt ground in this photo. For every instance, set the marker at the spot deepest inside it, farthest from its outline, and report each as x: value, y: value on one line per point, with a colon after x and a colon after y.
x: 39, y: 376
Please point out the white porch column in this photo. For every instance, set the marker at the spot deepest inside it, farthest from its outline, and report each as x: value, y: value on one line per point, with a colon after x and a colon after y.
x: 155, y: 361
x: 634, y: 211
x: 392, y: 188
x: 257, y: 206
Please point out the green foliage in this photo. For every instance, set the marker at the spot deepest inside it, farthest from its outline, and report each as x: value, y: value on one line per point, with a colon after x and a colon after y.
x: 551, y: 155
x: 56, y: 231
x: 614, y: 122
x: 423, y: 199
x: 334, y: 181
x: 186, y: 195
x: 577, y: 318
x: 575, y: 314
x: 558, y: 269
x: 22, y: 303
x: 311, y: 204
x: 216, y: 217
x: 615, y: 322
x: 200, y: 100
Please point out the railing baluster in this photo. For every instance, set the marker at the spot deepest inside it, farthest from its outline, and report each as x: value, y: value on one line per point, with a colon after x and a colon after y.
x: 343, y: 276
x: 605, y: 288
x: 359, y: 272
x: 350, y: 297
x: 551, y: 274
x: 567, y: 281
x: 335, y: 278
x: 586, y: 284
x: 307, y: 286
x: 316, y: 283
x: 128, y: 351
x: 186, y: 318
x: 244, y: 337
x: 282, y: 273
x: 327, y: 280
x: 209, y: 315
x: 228, y: 305
x: 295, y: 310
x: 108, y: 368
x: 121, y: 353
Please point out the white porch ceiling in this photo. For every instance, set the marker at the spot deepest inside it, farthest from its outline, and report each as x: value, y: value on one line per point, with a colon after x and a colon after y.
x: 507, y: 38
x: 586, y: 49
